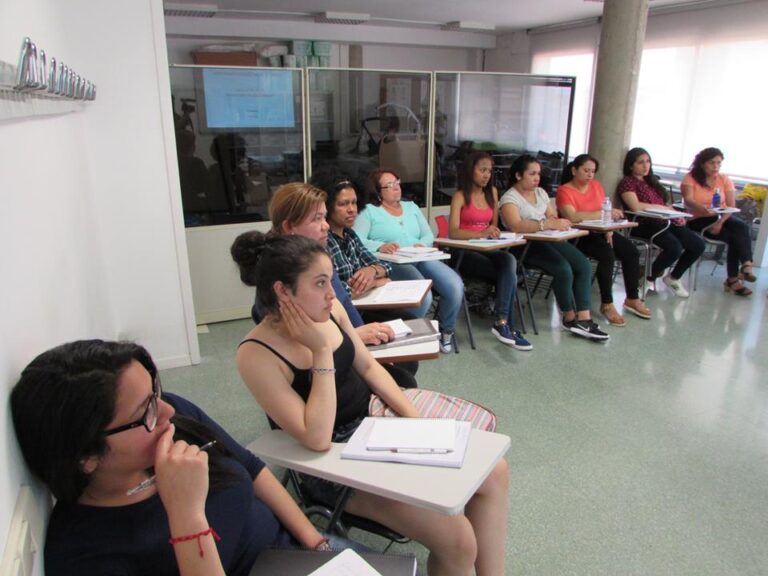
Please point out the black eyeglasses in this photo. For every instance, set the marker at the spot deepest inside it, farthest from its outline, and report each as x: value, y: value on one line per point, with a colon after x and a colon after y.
x: 149, y: 418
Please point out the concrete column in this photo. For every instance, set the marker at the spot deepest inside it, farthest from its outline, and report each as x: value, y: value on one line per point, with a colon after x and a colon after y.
x: 618, y: 67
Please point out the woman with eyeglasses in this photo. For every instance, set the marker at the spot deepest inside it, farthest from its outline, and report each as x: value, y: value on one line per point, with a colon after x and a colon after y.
x: 390, y: 223
x: 698, y: 188
x: 308, y: 369
x: 145, y: 482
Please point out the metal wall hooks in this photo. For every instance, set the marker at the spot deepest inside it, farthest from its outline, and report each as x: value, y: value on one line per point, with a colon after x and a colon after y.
x: 35, y: 75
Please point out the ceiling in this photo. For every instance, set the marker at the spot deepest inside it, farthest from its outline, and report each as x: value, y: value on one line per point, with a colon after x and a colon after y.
x: 504, y: 15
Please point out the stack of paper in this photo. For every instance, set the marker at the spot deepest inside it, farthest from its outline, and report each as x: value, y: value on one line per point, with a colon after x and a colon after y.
x: 413, y: 435
x: 435, y: 454
x: 661, y: 210
x: 510, y: 236
x: 419, y: 330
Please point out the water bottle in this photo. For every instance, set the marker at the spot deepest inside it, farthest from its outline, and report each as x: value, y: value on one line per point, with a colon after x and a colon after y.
x: 607, y: 209
x: 716, y: 198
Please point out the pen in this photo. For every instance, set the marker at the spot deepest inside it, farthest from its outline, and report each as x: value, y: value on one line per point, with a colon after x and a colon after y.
x: 151, y: 480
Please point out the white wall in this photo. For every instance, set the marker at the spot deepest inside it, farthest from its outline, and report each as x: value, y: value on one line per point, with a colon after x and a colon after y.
x: 91, y: 234
x: 386, y: 57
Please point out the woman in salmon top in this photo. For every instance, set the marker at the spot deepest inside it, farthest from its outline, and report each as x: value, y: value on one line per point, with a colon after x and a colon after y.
x: 580, y: 197
x: 698, y: 188
x: 475, y: 214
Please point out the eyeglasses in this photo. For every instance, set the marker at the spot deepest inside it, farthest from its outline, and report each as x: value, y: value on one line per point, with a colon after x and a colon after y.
x: 390, y: 184
x: 149, y: 418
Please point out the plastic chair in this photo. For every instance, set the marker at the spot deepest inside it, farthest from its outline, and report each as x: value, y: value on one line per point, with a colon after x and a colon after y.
x: 711, y: 243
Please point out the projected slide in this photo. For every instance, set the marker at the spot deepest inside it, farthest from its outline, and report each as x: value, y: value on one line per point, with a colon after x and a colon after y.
x: 248, y: 98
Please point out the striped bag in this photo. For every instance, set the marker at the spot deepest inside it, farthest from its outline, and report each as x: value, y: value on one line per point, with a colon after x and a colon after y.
x: 431, y: 404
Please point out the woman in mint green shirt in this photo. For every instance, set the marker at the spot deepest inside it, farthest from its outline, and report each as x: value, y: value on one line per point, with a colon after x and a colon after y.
x: 392, y: 223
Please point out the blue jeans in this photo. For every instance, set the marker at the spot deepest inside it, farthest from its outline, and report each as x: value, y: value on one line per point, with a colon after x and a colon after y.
x: 500, y: 267
x: 446, y: 283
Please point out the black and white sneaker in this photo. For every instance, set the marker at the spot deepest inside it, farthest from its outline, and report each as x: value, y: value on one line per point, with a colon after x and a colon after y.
x: 585, y: 329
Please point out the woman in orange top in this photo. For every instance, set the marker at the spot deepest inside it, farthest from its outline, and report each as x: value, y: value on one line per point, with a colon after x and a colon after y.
x: 580, y: 197
x: 698, y: 188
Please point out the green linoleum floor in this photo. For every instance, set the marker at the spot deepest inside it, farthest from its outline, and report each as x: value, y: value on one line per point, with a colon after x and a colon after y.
x: 644, y: 455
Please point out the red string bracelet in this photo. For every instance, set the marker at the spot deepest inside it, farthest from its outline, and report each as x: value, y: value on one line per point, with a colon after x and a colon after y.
x: 197, y: 537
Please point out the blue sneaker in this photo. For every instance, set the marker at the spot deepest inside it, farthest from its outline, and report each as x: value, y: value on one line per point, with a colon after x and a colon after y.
x: 510, y: 337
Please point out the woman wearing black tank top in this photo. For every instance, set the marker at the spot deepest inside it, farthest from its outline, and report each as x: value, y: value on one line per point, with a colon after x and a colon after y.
x: 311, y: 373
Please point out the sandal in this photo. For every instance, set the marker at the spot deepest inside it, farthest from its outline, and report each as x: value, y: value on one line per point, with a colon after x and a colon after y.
x: 639, y: 310
x: 748, y: 276
x: 611, y: 314
x: 734, y: 285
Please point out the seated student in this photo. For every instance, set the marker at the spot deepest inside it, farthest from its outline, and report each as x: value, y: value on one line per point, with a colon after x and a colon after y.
x: 640, y: 189
x: 360, y: 270
x: 475, y: 214
x: 299, y: 209
x: 580, y: 197
x: 526, y: 208
x: 393, y: 223
x: 698, y: 188
x: 93, y: 424
x: 310, y: 372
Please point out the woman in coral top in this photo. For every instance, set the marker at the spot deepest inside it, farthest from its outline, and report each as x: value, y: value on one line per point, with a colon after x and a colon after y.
x: 580, y: 197
x: 698, y: 188
x: 475, y: 214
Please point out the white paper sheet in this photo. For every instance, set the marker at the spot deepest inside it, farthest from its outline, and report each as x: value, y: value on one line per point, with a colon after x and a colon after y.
x: 348, y: 563
x: 414, y: 435
x: 399, y: 327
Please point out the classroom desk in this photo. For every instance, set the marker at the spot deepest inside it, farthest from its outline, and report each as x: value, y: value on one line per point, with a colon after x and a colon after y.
x: 369, y: 301
x: 478, y: 246
x: 592, y: 226
x: 410, y: 352
x: 667, y: 218
x: 445, y: 490
x: 542, y: 237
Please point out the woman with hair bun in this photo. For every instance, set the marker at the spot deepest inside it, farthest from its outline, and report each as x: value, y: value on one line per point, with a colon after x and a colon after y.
x: 313, y: 376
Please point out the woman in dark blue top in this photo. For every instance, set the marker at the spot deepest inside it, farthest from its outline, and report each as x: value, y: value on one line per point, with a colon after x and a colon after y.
x: 94, y: 425
x: 308, y: 368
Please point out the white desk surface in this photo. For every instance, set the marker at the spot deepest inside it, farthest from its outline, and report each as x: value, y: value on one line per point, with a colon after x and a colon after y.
x: 369, y: 301
x: 398, y: 259
x: 660, y: 215
x: 445, y: 490
x: 410, y: 352
x: 479, y: 246
x: 604, y: 227
x: 543, y: 237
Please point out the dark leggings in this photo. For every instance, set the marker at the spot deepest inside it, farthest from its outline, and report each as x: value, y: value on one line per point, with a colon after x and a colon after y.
x: 596, y: 246
x: 570, y: 271
x: 677, y: 243
x: 735, y: 233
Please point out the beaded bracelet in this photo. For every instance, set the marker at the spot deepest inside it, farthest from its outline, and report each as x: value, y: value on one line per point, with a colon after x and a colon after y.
x: 323, y: 370
x: 197, y: 537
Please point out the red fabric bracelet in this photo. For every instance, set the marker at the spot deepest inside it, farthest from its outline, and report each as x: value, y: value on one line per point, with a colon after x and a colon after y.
x: 197, y: 537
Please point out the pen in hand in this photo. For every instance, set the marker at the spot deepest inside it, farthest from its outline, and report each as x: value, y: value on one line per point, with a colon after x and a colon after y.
x: 151, y: 480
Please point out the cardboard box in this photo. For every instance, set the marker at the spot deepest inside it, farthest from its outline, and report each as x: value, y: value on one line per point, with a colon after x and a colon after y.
x: 226, y: 58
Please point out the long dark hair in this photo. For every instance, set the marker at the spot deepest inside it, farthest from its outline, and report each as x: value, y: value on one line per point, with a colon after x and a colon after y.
x: 697, y: 167
x: 519, y: 166
x: 63, y: 403
x: 466, y: 178
x: 651, y: 179
x: 264, y: 259
x: 576, y: 163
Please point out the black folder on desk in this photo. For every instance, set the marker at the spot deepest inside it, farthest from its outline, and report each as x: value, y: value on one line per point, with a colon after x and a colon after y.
x: 300, y: 562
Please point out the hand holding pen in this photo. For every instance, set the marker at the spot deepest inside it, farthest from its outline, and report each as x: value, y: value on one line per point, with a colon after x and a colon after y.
x: 179, y: 461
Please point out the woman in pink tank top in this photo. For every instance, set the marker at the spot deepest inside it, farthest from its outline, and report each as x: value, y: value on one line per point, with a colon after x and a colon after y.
x: 475, y: 214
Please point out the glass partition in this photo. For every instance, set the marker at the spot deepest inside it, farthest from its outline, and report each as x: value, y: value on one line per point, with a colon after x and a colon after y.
x: 504, y: 114
x: 239, y: 136
x: 360, y: 120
